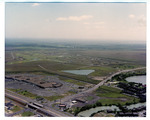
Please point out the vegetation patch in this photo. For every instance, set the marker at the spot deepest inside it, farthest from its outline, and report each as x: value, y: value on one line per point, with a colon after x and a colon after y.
x: 102, y: 114
x: 102, y: 71
x: 89, y: 98
x: 114, y: 96
x: 52, y: 68
x: 72, y: 92
x: 27, y: 114
x: 24, y: 93
x: 52, y: 98
x: 86, y: 107
x: 73, y: 81
x: 16, y: 108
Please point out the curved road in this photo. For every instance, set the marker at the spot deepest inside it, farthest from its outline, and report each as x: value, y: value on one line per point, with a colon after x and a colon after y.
x: 67, y: 98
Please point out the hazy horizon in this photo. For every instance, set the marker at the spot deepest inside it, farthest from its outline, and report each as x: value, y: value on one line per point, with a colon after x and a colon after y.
x: 71, y: 41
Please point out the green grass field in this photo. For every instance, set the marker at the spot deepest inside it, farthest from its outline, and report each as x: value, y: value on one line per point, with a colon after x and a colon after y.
x: 27, y: 114
x: 25, y: 93
x: 16, y: 108
x: 53, y: 68
x: 112, y: 95
x: 102, y: 70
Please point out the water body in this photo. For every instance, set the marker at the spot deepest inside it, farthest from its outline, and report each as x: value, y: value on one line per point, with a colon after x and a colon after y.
x: 87, y: 113
x: 137, y: 79
x: 79, y: 72
x: 136, y: 105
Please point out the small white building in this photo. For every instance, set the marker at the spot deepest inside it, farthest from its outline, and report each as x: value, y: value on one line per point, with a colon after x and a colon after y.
x: 74, y: 101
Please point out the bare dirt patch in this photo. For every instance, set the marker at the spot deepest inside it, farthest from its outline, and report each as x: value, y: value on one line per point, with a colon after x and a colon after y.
x: 98, y: 78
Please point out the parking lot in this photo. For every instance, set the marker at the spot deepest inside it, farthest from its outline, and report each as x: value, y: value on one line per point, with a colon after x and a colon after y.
x: 33, y: 88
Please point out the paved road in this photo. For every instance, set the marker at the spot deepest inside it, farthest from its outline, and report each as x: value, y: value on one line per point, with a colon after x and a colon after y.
x: 68, y: 98
x: 47, y: 110
x: 12, y: 55
x: 43, y: 67
x: 108, y: 78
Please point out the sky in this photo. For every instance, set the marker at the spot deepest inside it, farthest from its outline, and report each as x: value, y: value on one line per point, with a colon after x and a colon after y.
x: 80, y: 21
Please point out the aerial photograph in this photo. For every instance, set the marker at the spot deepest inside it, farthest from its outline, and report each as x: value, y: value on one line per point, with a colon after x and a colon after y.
x: 75, y: 59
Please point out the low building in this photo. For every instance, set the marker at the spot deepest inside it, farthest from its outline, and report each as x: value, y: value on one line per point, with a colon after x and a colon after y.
x: 81, y: 87
x: 80, y: 100
x: 74, y: 101
x: 62, y: 107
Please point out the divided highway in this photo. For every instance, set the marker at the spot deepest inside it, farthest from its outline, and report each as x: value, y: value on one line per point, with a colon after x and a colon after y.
x: 45, y: 110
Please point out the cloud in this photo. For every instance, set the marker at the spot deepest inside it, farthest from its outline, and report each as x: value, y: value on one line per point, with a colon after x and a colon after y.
x: 35, y: 4
x: 74, y: 18
x: 131, y: 16
x: 142, y: 21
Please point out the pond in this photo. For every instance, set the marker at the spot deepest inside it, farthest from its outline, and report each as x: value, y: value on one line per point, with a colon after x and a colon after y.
x: 79, y: 72
x: 87, y: 113
x: 136, y: 105
x: 137, y: 79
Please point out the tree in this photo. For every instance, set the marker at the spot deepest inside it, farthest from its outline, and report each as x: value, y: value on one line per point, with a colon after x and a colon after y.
x: 122, y: 108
